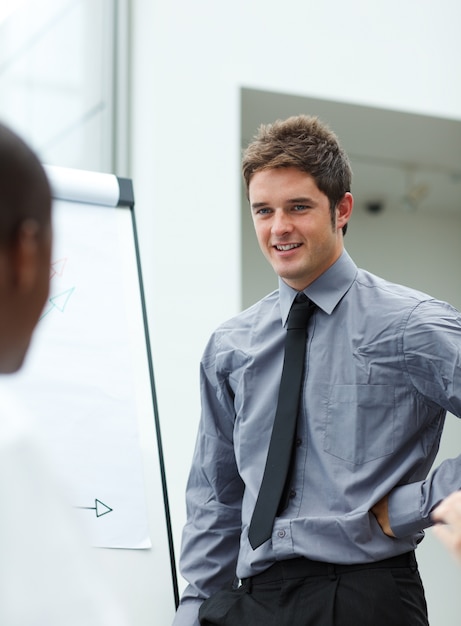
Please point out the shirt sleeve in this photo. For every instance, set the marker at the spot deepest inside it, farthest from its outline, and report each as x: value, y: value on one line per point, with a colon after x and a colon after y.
x: 211, y: 536
x: 432, y: 352
x: 187, y: 613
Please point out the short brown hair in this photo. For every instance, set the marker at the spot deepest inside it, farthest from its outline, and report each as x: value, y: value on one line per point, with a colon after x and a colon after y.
x: 306, y: 143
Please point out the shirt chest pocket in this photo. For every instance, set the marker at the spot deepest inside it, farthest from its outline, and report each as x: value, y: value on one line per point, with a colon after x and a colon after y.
x: 360, y: 422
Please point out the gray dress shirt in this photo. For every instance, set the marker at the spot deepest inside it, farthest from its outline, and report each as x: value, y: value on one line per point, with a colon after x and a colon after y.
x: 383, y: 366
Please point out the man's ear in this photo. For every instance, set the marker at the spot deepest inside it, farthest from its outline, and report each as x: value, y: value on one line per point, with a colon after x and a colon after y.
x: 344, y: 210
x: 25, y: 256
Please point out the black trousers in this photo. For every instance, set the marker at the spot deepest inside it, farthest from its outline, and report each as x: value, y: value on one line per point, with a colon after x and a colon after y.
x: 301, y: 592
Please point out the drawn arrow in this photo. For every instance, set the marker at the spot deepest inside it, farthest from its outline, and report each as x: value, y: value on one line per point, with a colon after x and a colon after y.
x: 59, y: 301
x: 100, y: 508
x: 57, y: 268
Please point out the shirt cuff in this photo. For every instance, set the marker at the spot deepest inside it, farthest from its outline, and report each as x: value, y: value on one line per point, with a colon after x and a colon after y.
x: 187, y: 613
x: 404, y: 510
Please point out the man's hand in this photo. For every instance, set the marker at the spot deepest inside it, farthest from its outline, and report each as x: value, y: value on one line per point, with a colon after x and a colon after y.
x: 448, y: 513
x: 380, y: 511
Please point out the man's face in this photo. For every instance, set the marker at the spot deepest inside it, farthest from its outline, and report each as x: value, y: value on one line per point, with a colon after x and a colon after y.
x: 24, y: 286
x: 293, y: 224
x: 38, y: 293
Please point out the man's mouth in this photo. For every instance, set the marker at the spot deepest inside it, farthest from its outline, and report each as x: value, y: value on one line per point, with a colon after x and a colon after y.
x: 286, y: 246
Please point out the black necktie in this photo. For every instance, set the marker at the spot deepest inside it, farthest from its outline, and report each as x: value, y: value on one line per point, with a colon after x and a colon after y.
x: 283, y: 431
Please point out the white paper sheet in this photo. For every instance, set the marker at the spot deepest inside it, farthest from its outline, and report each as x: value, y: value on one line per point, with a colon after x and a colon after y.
x: 80, y: 375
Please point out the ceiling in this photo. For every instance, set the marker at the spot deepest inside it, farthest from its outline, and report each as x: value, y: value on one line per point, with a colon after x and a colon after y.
x: 401, y: 161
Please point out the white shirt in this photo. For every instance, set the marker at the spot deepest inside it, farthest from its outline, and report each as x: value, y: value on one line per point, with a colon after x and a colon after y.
x: 48, y: 574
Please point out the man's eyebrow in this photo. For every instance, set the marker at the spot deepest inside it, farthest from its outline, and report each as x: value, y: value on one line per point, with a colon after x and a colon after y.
x: 300, y: 200
x: 259, y: 205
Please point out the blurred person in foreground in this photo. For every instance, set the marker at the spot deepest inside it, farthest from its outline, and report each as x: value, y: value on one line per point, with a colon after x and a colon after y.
x: 47, y: 573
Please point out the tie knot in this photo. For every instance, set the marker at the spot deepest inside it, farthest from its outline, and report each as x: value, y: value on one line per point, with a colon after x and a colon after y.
x: 300, y: 312
x: 301, y: 297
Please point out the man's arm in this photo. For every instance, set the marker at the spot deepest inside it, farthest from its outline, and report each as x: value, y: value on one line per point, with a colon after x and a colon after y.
x: 211, y: 536
x: 432, y: 360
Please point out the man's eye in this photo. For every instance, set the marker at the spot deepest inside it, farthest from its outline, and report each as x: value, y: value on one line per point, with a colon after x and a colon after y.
x: 263, y: 211
x: 300, y: 207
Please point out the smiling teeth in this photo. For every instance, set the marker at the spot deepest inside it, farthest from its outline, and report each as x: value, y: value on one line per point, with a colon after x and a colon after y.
x: 288, y: 246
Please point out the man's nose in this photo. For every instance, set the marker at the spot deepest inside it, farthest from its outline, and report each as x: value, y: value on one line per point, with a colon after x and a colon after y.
x: 281, y: 223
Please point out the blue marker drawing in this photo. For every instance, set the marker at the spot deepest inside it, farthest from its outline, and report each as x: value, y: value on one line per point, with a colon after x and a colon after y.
x: 59, y: 302
x: 100, y: 508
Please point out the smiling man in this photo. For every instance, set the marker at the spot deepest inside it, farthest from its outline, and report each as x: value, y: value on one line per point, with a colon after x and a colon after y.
x: 380, y: 366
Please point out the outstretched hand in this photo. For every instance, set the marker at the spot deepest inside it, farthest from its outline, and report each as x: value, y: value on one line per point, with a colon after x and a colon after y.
x: 449, y: 530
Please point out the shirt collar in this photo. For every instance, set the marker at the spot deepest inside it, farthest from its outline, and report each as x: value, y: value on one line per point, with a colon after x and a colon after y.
x: 326, y: 291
